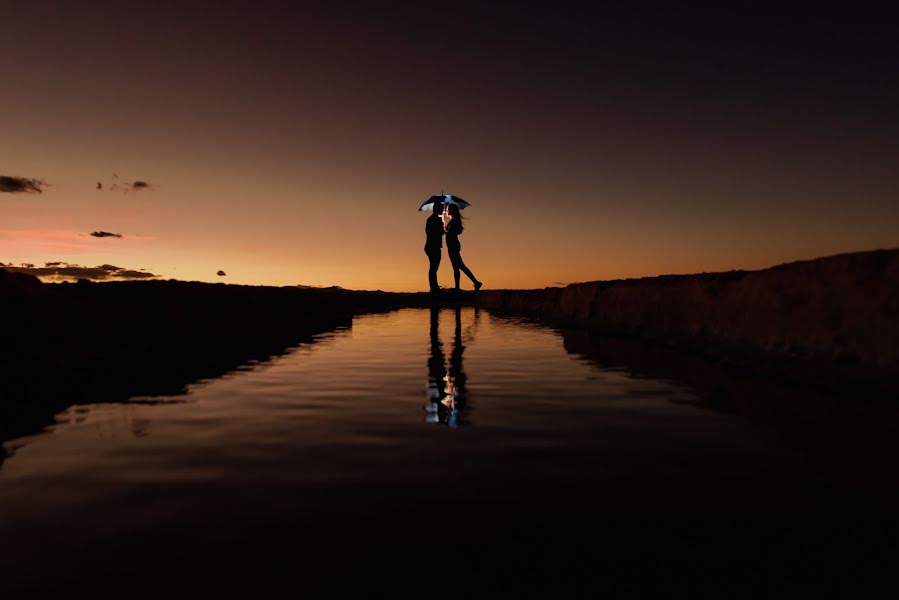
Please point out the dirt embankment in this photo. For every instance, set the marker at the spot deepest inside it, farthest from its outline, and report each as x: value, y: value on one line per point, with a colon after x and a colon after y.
x: 833, y: 320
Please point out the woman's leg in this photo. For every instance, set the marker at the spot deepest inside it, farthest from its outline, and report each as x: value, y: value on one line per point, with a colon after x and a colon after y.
x: 456, y: 260
x: 458, y: 265
x: 468, y: 272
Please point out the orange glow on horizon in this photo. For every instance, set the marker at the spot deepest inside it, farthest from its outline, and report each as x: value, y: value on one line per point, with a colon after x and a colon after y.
x: 298, y: 150
x: 321, y: 237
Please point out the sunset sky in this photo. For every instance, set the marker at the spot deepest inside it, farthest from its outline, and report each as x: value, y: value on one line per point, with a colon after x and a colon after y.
x: 291, y: 143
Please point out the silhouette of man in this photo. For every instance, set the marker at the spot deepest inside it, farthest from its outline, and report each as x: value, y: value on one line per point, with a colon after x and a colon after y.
x: 434, y: 244
x: 436, y: 361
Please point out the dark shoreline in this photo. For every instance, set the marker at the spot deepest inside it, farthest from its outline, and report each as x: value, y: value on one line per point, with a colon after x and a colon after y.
x: 67, y: 344
x: 830, y: 323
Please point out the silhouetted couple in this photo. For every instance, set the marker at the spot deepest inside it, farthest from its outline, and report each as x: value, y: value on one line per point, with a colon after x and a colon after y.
x: 446, y: 220
x: 446, y: 385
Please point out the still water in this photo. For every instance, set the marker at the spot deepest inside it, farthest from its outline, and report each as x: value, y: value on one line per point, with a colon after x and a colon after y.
x: 415, y: 425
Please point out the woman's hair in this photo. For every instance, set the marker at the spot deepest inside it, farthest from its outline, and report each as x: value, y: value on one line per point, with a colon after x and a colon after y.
x: 457, y: 216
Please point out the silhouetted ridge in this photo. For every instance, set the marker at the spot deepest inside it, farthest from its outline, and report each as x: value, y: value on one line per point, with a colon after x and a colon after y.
x: 829, y: 321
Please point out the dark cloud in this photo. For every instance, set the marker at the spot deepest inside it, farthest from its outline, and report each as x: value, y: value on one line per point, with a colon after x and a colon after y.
x: 131, y: 187
x: 117, y: 185
x: 129, y: 274
x: 221, y: 274
x: 61, y: 271
x: 104, y: 234
x: 318, y: 287
x: 15, y: 185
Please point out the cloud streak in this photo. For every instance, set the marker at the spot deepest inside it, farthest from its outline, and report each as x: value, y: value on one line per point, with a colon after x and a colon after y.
x: 15, y: 241
x: 62, y: 271
x: 20, y: 244
x: 21, y: 185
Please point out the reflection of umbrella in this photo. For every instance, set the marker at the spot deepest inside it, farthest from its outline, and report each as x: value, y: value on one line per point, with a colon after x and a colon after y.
x: 428, y: 205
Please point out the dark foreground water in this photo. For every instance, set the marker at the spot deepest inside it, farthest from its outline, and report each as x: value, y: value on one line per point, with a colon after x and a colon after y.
x: 461, y: 452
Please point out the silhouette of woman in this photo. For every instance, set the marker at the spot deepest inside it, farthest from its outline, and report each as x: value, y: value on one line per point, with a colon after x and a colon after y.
x: 453, y: 229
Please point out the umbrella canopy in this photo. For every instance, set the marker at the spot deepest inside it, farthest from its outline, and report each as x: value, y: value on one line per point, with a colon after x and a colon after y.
x: 428, y: 205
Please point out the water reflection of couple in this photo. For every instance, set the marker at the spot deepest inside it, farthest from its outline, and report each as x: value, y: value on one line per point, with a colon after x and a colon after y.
x: 446, y: 386
x: 446, y: 221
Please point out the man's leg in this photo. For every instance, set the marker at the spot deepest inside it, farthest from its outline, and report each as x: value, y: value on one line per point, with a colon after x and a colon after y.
x: 434, y: 258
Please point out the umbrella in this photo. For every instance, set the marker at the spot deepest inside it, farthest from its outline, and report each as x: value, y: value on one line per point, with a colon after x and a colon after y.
x: 428, y: 205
